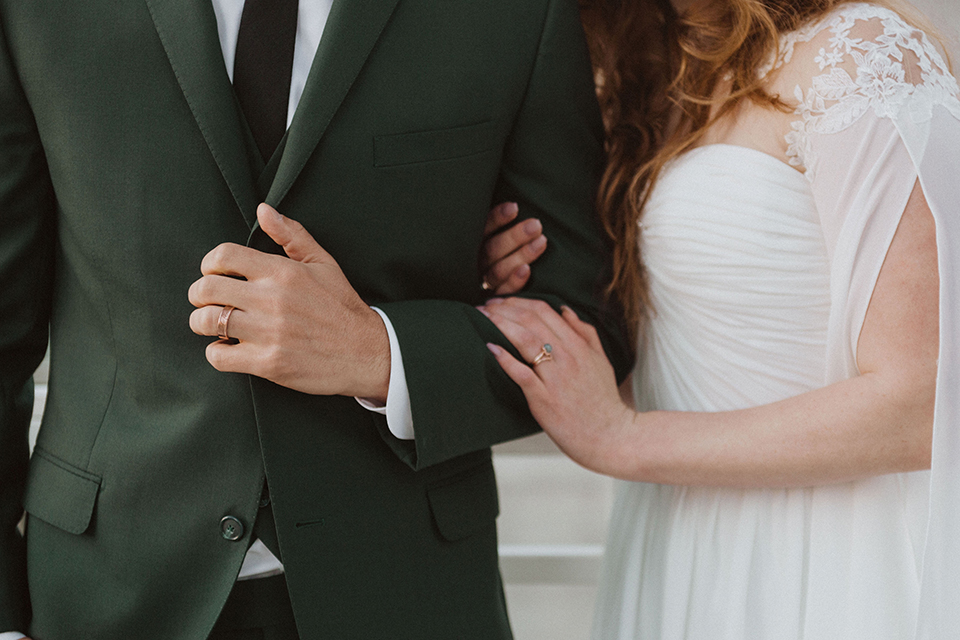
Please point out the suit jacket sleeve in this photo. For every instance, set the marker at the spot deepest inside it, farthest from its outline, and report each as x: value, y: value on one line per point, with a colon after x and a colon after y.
x: 460, y: 398
x: 26, y: 204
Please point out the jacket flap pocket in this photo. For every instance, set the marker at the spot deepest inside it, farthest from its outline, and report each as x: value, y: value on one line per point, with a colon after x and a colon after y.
x: 59, y: 493
x: 438, y: 144
x: 465, y: 503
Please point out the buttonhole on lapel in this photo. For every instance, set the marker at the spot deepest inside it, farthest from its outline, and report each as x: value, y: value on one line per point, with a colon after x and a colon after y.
x: 310, y: 523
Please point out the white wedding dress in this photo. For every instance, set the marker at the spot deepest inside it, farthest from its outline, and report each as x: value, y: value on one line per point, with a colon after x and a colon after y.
x: 760, y: 276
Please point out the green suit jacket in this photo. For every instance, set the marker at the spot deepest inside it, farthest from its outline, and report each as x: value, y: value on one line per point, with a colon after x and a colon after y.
x: 123, y: 160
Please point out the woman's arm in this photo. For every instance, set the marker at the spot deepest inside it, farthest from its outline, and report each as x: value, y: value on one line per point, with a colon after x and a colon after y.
x: 878, y: 422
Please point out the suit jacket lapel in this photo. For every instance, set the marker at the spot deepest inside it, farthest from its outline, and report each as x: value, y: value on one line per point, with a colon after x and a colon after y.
x: 188, y: 31
x: 352, y: 30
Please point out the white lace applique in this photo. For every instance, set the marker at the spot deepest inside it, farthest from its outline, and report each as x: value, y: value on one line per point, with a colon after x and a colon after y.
x: 896, y: 69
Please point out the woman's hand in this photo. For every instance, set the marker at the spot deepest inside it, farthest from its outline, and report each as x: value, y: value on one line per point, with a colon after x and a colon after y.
x: 572, y: 391
x: 878, y: 422
x: 509, y: 249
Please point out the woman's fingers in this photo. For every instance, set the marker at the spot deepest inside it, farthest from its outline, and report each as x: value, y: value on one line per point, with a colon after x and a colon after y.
x: 507, y: 249
x: 500, y: 215
x: 515, y: 282
x: 505, y: 242
x: 570, y: 392
x: 584, y: 329
x: 531, y: 314
x: 499, y: 272
x: 528, y: 339
x: 520, y: 373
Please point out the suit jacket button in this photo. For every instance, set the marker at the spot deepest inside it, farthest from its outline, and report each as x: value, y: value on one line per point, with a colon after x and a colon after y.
x: 231, y: 529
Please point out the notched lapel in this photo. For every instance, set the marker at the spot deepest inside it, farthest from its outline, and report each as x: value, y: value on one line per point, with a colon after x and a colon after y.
x: 352, y: 30
x: 188, y: 31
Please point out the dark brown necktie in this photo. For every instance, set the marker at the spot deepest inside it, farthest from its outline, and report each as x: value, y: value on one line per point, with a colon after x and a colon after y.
x: 263, y: 66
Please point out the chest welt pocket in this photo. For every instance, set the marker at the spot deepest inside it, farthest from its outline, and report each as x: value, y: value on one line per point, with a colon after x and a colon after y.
x: 59, y: 493
x: 437, y: 144
x: 465, y: 503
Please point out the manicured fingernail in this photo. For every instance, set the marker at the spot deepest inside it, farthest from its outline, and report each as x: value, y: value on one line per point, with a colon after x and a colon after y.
x: 494, y: 349
x: 539, y: 243
x: 510, y: 210
x: 483, y: 311
x: 523, y: 270
x: 532, y: 227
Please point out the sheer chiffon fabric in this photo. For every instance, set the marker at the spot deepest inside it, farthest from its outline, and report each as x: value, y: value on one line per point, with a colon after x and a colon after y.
x: 760, y: 277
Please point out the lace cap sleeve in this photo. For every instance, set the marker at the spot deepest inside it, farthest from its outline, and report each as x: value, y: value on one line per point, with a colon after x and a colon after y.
x: 863, y: 81
x: 861, y: 58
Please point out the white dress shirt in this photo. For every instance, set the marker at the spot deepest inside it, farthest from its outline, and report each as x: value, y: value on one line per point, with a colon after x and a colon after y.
x: 312, y: 17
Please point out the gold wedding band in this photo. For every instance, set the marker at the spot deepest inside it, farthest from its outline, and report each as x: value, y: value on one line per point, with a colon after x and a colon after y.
x: 545, y: 355
x: 222, y: 322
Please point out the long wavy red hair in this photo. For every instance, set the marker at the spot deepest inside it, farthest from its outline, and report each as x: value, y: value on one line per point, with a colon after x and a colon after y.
x: 657, y: 75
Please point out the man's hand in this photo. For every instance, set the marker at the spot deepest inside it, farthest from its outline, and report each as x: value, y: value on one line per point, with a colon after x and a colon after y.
x: 297, y: 321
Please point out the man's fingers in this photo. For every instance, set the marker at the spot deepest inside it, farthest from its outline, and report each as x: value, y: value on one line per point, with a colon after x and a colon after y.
x: 205, y: 321
x: 229, y: 259
x: 229, y: 358
x: 500, y: 215
x: 296, y: 241
x: 218, y: 290
x: 271, y: 362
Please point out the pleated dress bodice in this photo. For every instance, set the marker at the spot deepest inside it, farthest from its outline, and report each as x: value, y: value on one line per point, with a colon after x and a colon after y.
x: 739, y: 279
x: 739, y: 283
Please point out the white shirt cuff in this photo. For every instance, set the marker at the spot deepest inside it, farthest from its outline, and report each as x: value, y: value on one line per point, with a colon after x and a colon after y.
x: 397, y: 409
x: 12, y: 635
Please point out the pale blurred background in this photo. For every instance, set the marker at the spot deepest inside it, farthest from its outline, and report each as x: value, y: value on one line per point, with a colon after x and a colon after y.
x: 554, y: 513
